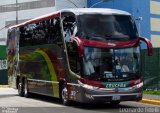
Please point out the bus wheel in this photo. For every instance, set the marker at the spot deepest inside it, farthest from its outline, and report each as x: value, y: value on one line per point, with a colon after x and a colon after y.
x: 115, y: 103
x: 64, y: 95
x: 26, y: 93
x: 20, y: 89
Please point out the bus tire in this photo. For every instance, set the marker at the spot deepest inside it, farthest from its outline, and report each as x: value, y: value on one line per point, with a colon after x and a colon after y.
x: 64, y: 95
x: 17, y: 81
x: 26, y: 91
x: 20, y: 89
x: 115, y: 103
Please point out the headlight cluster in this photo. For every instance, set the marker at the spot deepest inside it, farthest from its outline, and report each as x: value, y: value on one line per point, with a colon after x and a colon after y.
x: 87, y: 86
x: 139, y: 85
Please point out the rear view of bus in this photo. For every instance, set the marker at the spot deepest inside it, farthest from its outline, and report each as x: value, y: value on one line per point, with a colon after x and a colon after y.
x: 105, y: 53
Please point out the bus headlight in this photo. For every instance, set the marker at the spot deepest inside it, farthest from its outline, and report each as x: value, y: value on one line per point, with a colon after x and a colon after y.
x: 86, y: 86
x: 139, y: 85
x: 89, y: 87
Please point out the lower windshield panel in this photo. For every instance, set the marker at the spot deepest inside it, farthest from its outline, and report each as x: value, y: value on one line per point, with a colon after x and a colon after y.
x: 105, y: 64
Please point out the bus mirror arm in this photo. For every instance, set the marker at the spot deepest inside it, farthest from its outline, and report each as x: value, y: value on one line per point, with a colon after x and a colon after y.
x: 149, y: 45
x: 81, y: 51
x: 80, y: 46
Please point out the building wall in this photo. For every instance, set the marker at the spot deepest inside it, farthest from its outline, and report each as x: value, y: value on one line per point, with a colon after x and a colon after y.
x: 62, y: 4
x: 155, y: 22
x: 28, y: 9
x: 138, y: 8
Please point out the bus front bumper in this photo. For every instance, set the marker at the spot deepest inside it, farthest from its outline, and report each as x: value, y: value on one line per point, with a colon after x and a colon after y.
x: 108, y: 95
x: 113, y: 97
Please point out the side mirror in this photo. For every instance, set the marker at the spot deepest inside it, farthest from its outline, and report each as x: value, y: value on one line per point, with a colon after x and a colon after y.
x: 149, y: 45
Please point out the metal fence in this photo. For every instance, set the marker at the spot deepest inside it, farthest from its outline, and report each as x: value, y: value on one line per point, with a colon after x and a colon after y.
x: 151, y: 69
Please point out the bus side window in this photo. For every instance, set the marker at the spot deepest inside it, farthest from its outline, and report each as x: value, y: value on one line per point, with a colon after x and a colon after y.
x: 24, y: 41
x: 38, y: 33
x: 26, y: 35
x: 44, y: 32
x: 54, y: 31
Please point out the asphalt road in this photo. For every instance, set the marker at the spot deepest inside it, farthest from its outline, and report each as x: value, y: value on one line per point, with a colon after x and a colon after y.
x: 10, y: 102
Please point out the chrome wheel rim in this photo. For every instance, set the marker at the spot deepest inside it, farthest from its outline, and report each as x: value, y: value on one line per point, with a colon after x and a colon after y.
x: 19, y: 88
x: 25, y: 88
x: 64, y: 95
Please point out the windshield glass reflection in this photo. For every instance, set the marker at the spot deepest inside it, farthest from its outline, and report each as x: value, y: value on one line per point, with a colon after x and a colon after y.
x: 111, y: 63
x: 106, y: 27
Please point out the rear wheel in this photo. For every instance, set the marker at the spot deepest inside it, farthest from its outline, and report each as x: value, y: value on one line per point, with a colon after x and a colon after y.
x: 26, y: 93
x: 64, y: 96
x: 20, y: 89
x: 115, y: 102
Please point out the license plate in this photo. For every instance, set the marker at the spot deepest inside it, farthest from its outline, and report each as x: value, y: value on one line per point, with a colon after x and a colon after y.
x: 116, y: 97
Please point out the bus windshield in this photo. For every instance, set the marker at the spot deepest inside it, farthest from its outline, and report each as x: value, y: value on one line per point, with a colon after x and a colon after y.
x: 111, y: 63
x: 106, y: 27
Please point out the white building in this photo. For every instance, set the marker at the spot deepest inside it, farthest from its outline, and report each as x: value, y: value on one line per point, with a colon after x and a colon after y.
x: 17, y: 11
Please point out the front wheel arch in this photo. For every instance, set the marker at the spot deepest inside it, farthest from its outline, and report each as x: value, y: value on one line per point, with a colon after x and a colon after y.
x: 63, y: 92
x: 17, y: 81
x: 25, y: 86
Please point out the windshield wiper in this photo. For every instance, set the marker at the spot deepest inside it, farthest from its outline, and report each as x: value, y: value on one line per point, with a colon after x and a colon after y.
x: 117, y: 38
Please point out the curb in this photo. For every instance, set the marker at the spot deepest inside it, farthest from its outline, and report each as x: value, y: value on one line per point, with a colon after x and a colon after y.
x: 4, y: 86
x: 148, y: 101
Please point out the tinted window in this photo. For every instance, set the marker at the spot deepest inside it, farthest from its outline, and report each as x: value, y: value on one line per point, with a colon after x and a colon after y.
x: 45, y: 32
x: 107, y: 27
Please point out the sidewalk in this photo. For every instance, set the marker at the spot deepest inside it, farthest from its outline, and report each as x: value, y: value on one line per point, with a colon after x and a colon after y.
x: 151, y: 99
x: 4, y: 86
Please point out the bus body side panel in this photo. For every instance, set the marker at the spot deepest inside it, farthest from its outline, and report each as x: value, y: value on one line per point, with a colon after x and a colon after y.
x: 31, y: 64
x: 43, y: 69
x: 42, y: 56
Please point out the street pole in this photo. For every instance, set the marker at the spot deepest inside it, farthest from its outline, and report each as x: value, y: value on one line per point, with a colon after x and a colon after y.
x: 139, y: 24
x: 16, y: 11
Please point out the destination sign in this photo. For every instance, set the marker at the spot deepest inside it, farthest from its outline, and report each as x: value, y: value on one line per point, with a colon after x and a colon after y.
x: 116, y: 85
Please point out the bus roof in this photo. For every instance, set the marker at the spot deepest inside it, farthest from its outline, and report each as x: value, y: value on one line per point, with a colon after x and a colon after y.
x: 79, y: 11
x: 76, y: 11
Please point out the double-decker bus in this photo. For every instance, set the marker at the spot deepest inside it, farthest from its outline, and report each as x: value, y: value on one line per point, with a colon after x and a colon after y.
x: 83, y: 54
